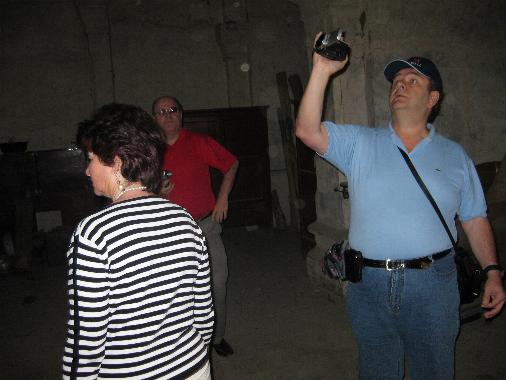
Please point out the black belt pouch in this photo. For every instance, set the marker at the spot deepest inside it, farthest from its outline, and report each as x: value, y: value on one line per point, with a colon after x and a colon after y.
x: 353, y: 265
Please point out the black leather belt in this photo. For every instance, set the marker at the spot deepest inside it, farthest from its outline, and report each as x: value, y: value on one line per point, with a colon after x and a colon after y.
x: 419, y: 263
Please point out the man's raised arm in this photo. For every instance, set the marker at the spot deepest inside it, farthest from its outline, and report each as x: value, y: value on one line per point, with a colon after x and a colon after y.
x: 308, y: 126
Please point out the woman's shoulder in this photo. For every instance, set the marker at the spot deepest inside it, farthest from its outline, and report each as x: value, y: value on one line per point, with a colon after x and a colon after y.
x: 143, y: 205
x: 129, y: 213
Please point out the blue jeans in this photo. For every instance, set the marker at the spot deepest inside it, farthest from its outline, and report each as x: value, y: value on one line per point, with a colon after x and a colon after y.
x: 410, y: 314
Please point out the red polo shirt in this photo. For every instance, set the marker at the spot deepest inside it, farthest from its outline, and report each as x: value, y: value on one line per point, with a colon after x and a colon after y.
x: 189, y: 160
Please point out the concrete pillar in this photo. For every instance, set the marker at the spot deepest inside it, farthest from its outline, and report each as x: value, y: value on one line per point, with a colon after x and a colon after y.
x: 346, y: 101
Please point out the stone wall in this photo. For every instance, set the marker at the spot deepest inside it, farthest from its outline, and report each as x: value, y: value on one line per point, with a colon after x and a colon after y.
x: 59, y: 60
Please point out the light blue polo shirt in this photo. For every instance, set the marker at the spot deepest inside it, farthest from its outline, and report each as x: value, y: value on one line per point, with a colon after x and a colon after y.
x: 391, y: 218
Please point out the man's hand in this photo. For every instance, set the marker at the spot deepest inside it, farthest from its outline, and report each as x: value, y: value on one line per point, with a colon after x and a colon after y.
x: 326, y: 65
x: 220, y: 211
x: 494, y: 295
x: 308, y: 126
x: 481, y: 238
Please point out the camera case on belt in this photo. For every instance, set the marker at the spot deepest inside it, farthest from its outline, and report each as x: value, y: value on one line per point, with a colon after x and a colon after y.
x: 332, y: 46
x: 353, y: 265
x: 342, y: 262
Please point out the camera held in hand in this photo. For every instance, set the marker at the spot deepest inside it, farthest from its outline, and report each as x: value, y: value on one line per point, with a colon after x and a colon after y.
x: 332, y: 46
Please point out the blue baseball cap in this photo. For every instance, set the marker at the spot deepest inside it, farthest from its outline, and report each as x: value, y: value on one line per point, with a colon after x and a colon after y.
x: 423, y: 65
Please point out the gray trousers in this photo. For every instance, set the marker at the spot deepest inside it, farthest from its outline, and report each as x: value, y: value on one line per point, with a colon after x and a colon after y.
x: 219, y: 274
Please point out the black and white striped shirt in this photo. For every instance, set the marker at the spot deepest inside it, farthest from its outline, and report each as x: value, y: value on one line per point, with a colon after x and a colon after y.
x: 144, y: 307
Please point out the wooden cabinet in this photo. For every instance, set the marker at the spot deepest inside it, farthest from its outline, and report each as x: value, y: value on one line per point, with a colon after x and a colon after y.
x: 243, y: 131
x: 51, y: 180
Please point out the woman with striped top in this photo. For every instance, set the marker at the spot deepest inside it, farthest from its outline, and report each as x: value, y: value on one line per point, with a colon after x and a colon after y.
x: 139, y: 293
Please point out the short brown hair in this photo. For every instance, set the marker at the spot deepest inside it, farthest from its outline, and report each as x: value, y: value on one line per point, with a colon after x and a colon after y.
x: 130, y: 133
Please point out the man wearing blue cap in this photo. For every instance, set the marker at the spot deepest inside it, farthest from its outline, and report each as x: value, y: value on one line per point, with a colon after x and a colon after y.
x: 406, y: 305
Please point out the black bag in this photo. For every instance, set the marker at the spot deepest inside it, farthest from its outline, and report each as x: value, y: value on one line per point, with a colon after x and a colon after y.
x: 469, y: 273
x: 343, y: 263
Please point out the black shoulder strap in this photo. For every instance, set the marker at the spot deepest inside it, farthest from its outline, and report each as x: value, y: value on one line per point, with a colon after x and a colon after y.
x: 428, y: 195
x: 75, y: 348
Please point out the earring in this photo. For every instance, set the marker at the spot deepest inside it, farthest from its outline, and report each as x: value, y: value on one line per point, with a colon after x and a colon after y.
x: 118, y: 181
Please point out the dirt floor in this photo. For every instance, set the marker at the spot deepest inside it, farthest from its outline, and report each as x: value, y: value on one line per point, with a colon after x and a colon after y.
x: 279, y: 325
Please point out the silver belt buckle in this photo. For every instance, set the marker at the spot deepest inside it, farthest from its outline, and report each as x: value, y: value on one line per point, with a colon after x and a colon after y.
x: 391, y: 266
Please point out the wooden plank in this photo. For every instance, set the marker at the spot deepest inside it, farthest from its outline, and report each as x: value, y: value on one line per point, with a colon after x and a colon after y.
x: 288, y: 142
x: 306, y: 172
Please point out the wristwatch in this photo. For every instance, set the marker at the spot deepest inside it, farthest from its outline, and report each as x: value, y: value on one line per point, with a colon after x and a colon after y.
x: 490, y: 267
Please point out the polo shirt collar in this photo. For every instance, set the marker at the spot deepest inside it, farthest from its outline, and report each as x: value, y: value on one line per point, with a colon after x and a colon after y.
x: 181, y: 136
x: 397, y: 141
x: 182, y: 133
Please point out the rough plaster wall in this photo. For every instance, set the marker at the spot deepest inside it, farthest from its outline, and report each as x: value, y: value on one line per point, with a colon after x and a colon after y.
x: 464, y: 37
x: 277, y: 37
x: 167, y: 49
x: 466, y: 40
x: 59, y: 61
x: 44, y: 73
x: 62, y: 59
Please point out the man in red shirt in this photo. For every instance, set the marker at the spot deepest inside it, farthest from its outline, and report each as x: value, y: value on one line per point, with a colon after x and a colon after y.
x: 188, y: 157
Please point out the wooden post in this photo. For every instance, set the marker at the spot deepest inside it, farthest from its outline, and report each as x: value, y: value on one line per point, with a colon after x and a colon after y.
x: 287, y: 138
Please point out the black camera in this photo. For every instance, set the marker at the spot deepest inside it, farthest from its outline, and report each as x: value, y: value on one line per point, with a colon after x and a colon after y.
x: 332, y: 46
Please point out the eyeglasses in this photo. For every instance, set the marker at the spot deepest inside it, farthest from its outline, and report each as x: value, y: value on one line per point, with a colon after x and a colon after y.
x: 167, y: 111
